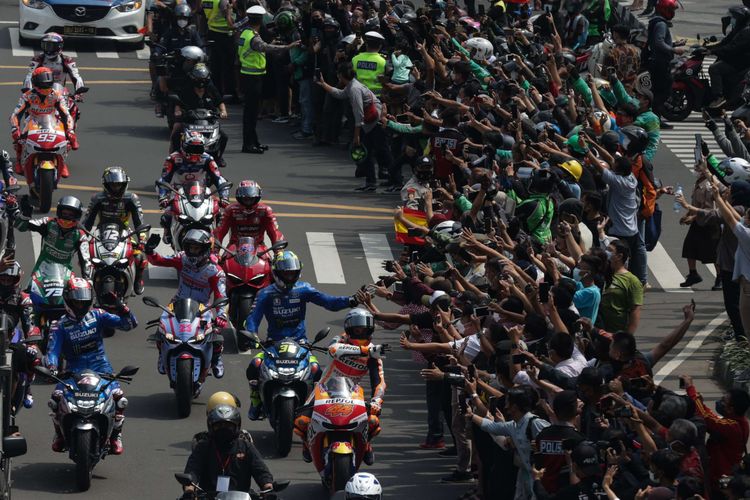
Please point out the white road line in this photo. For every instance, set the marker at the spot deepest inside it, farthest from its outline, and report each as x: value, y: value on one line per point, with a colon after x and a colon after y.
x: 665, y: 271
x: 162, y: 273
x: 36, y: 243
x: 107, y: 55
x: 8, y: 22
x: 695, y: 343
x: 144, y: 53
x: 325, y: 258
x: 377, y: 250
x: 15, y: 45
x: 70, y: 53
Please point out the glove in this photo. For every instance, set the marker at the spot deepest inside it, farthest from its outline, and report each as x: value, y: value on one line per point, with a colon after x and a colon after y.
x: 11, y: 201
x: 378, y: 351
x: 163, y: 203
x: 73, y: 141
x: 374, y: 407
x: 353, y: 302
x: 220, y: 322
x: 711, y: 125
x: 26, y: 208
x: 151, y: 244
x: 15, y: 134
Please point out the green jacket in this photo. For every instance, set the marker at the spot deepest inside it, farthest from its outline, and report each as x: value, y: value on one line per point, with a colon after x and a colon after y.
x: 540, y: 220
x: 58, y: 245
x: 647, y: 120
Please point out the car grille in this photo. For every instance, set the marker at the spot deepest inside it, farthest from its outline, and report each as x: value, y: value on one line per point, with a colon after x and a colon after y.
x: 92, y: 13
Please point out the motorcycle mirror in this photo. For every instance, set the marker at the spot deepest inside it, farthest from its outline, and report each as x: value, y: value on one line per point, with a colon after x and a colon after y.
x: 280, y: 485
x: 82, y: 90
x: 321, y: 335
x: 14, y: 446
x: 253, y: 337
x: 224, y: 185
x: 44, y: 371
x: 219, y: 303
x: 150, y: 301
x: 184, y: 479
x: 279, y: 245
x: 13, y: 188
x: 143, y: 228
x: 127, y: 371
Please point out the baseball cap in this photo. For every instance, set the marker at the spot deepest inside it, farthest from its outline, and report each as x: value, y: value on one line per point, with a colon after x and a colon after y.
x: 438, y: 297
x: 586, y: 458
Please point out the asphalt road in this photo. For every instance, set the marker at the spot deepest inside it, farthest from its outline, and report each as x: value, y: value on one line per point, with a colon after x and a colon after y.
x: 340, y: 237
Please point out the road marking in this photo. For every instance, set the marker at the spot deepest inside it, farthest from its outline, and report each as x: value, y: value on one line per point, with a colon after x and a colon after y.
x: 695, y: 343
x: 8, y: 22
x: 157, y: 272
x: 86, y: 68
x: 15, y: 45
x: 144, y: 53
x: 108, y: 55
x: 377, y: 249
x: 325, y: 258
x: 665, y: 271
x: 36, y: 243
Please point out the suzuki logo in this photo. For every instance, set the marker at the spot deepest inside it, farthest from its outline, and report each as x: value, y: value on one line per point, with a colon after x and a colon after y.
x: 80, y: 11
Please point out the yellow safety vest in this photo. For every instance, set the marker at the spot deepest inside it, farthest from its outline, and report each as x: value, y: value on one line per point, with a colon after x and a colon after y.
x: 369, y: 66
x: 216, y: 20
x: 251, y: 62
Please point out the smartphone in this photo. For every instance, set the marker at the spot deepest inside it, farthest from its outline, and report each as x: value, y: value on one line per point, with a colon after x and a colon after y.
x: 544, y: 292
x: 697, y: 152
x: 413, y: 232
x: 519, y: 359
x: 472, y: 371
x: 481, y: 311
x: 414, y: 257
x: 11, y: 254
x: 398, y: 287
x: 637, y: 383
x: 548, y: 8
x: 682, y: 383
x: 692, y: 304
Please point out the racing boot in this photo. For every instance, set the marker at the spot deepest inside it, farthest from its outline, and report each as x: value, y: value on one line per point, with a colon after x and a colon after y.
x: 140, y: 266
x: 217, y: 365
x: 160, y: 365
x: 17, y: 168
x: 58, y: 442
x: 369, y: 457
x: 306, y: 453
x: 255, y: 412
x: 115, y: 442
x: 64, y: 173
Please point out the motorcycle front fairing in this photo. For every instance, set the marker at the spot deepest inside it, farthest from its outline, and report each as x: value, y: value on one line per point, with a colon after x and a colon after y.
x: 89, y: 406
x: 111, y: 262
x: 46, y: 287
x: 187, y: 333
x: 285, y: 372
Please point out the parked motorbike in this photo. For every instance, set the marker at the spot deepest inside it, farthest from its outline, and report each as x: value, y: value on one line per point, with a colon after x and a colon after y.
x: 87, y: 418
x: 111, y: 253
x: 269, y: 494
x: 193, y: 207
x: 46, y: 293
x: 185, y: 337
x: 284, y: 382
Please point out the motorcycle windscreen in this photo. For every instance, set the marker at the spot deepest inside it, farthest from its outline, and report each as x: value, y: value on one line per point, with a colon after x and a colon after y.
x: 245, y: 253
x: 194, y: 192
x: 185, y: 309
x: 339, y: 387
x: 287, y: 349
x: 53, y: 276
x: 109, y: 234
x: 46, y: 121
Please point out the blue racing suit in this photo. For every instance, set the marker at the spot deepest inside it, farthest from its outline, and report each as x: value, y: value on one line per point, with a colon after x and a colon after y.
x: 285, y: 311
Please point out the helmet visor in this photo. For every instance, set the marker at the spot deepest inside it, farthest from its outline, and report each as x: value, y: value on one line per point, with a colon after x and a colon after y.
x: 116, y: 188
x: 193, y: 249
x: 288, y: 277
x: 50, y: 46
x: 193, y: 149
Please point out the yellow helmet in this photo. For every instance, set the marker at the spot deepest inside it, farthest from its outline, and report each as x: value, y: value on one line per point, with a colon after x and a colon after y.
x: 221, y: 398
x: 574, y: 168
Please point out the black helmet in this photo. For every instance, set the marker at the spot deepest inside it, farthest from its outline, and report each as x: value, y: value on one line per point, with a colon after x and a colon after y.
x: 423, y: 169
x: 542, y: 181
x: 115, y: 181
x: 224, y: 413
x: 737, y: 18
x: 71, y: 204
x: 11, y: 276
x: 634, y: 140
x: 200, y: 75
x: 182, y: 11
x: 197, y: 246
x: 248, y: 193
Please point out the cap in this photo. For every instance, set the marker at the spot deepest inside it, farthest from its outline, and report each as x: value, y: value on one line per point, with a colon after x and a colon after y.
x: 428, y: 300
x: 646, y: 93
x: 374, y: 34
x: 587, y: 459
x: 256, y: 10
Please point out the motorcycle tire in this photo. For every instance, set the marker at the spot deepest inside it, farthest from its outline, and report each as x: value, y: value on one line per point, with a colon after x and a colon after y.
x: 84, y: 464
x: 284, y: 428
x: 5, y: 479
x: 239, y: 314
x: 678, y: 106
x: 183, y: 387
x: 46, y: 187
x: 342, y: 472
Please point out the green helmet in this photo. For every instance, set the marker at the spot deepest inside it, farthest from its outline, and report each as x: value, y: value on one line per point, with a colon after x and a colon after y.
x: 358, y: 153
x: 285, y: 21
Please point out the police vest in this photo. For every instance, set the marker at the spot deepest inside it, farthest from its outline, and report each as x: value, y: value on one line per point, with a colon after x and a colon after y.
x: 216, y: 20
x: 369, y: 66
x: 251, y: 62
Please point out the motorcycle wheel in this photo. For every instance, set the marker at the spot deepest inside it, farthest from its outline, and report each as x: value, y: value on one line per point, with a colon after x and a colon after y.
x: 342, y: 472
x: 5, y: 479
x: 84, y: 465
x: 284, y: 428
x: 239, y: 314
x: 183, y: 387
x: 46, y: 187
x: 678, y: 106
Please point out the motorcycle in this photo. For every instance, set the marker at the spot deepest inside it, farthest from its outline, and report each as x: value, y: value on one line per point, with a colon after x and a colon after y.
x: 72, y: 100
x: 13, y: 443
x: 87, y: 418
x: 204, y: 121
x: 186, y: 337
x: 193, y: 207
x: 114, y: 267
x: 46, y: 292
x: 45, y: 147
x: 269, y: 494
x: 284, y: 383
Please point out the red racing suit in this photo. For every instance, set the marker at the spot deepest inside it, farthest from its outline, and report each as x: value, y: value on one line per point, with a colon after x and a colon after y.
x: 240, y: 221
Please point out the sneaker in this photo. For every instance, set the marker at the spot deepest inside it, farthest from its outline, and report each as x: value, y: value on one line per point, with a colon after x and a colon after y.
x: 728, y: 337
x: 198, y: 389
x: 717, y: 103
x: 458, y: 477
x: 369, y: 457
x: 718, y: 285
x: 255, y: 412
x: 115, y: 445
x: 281, y: 119
x: 693, y: 278
x: 58, y: 444
x: 160, y: 365
x: 395, y: 189
x: 301, y: 136
x: 217, y: 368
x: 28, y: 401
x: 449, y: 452
x: 433, y: 445
x: 158, y: 111
x: 367, y: 188
x: 306, y: 455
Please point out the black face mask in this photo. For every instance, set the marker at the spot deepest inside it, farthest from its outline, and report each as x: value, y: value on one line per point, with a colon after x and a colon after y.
x: 224, y: 438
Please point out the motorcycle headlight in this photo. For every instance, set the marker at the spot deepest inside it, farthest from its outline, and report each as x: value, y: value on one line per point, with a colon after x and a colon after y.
x: 287, y: 371
x: 122, y: 263
x: 129, y: 6
x: 182, y: 217
x: 96, y: 262
x: 86, y: 404
x: 302, y: 374
x: 208, y: 219
x: 71, y: 405
x: 273, y: 373
x: 34, y: 4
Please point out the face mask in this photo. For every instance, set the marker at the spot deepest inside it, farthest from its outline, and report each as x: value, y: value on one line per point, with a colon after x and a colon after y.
x: 609, y: 254
x: 652, y: 477
x: 721, y: 407
x: 223, y: 437
x: 182, y: 23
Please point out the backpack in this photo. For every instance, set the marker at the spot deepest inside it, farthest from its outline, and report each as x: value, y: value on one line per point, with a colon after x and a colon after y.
x: 643, y: 171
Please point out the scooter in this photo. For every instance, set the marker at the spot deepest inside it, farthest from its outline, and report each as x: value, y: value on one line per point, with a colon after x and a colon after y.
x: 284, y: 382
x: 185, y: 337
x: 269, y: 494
x: 204, y: 121
x: 87, y: 416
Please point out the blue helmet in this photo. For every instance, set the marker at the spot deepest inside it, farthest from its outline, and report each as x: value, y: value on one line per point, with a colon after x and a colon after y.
x: 286, y: 270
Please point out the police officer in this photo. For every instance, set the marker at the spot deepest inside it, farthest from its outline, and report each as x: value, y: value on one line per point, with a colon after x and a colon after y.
x: 220, y: 19
x: 370, y: 65
x: 252, y: 54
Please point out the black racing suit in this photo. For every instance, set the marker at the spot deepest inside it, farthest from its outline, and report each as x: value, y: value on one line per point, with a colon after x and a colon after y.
x: 241, y: 461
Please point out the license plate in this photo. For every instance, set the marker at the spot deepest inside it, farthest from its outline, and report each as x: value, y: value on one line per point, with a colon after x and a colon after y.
x: 79, y: 30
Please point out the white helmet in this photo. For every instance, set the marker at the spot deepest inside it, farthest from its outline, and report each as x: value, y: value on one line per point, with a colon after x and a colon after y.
x: 450, y: 228
x: 732, y: 170
x: 348, y: 39
x: 256, y: 10
x: 481, y: 49
x: 363, y: 486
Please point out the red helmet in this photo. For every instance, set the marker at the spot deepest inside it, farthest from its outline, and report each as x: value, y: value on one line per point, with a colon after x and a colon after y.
x: 666, y: 8
x: 78, y: 297
x: 42, y: 79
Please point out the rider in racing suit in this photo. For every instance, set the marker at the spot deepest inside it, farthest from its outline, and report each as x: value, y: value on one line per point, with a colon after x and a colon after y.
x: 52, y: 57
x: 77, y: 337
x: 116, y: 204
x: 283, y: 304
x: 191, y: 163
x: 249, y: 217
x: 42, y: 99
x: 199, y: 277
x: 354, y: 356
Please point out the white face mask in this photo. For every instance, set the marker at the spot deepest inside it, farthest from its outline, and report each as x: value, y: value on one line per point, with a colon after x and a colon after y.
x: 652, y: 477
x: 182, y: 23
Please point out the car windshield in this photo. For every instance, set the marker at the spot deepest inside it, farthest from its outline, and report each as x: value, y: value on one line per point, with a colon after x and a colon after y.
x: 339, y: 387
x: 186, y: 309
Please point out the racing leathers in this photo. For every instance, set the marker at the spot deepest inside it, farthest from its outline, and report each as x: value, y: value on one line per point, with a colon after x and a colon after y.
x: 17, y: 304
x: 81, y: 343
x: 58, y: 245
x: 240, y: 221
x: 62, y: 67
x: 6, y: 168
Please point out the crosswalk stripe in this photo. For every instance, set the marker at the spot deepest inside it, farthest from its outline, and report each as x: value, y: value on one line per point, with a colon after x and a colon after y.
x: 162, y: 273
x: 143, y: 53
x: 107, y: 55
x: 665, y: 271
x: 15, y: 45
x: 377, y: 249
x: 325, y: 258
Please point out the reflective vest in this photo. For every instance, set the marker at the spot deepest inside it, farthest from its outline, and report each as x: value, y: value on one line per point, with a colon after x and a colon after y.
x: 369, y: 66
x: 217, y: 21
x: 251, y: 62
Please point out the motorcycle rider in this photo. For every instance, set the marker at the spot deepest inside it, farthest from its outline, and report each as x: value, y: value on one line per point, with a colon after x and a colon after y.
x: 42, y: 99
x: 363, y: 486
x: 199, y: 277
x: 731, y: 54
x: 225, y: 457
x: 77, y: 337
x: 116, y: 204
x: 199, y: 92
x: 283, y: 304
x: 354, y: 355
x: 249, y: 217
x: 52, y: 57
x: 216, y: 399
x: 190, y: 163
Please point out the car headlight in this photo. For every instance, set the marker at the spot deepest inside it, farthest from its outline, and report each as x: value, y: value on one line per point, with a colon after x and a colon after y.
x: 129, y: 6
x: 34, y: 4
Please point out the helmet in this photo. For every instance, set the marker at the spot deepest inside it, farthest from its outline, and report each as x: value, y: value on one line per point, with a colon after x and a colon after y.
x: 574, y: 168
x: 248, y: 194
x: 569, y: 57
x: 286, y: 270
x: 363, y: 486
x: 69, y: 204
x: 197, y: 246
x: 191, y: 55
x: 256, y: 10
x: 115, y: 181
x: 224, y: 413
x: 52, y: 44
x: 358, y: 153
x: 348, y: 39
x: 42, y: 79
x: 78, y: 297
x: 284, y: 21
x: 221, y: 398
x: 449, y: 228
x: 634, y: 140
x: 371, y: 26
x: 542, y: 181
x: 10, y: 277
x: 732, y: 170
x: 666, y: 8
x: 423, y: 169
x: 200, y: 75
x: 193, y: 146
x: 481, y: 49
x: 359, y: 325
x: 737, y: 18
x: 182, y: 11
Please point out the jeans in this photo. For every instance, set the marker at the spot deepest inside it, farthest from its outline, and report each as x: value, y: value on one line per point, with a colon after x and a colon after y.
x: 306, y: 105
x: 330, y: 123
x: 661, y: 85
x: 252, y: 88
x: 376, y: 143
x: 438, y: 395
x: 459, y: 426
x: 731, y: 291
x: 637, y: 244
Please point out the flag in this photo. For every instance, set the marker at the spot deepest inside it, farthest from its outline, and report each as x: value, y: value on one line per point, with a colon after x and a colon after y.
x: 417, y: 217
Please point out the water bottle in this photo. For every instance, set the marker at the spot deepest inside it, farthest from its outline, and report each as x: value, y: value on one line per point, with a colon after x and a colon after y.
x: 677, y: 192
